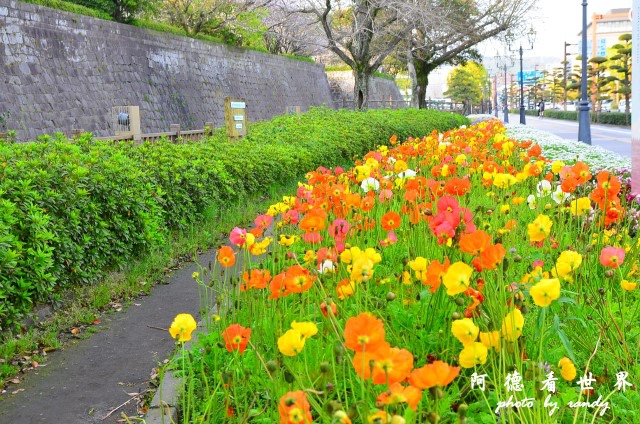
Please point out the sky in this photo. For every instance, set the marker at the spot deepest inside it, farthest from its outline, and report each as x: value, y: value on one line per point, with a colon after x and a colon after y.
x: 556, y: 21
x: 561, y: 20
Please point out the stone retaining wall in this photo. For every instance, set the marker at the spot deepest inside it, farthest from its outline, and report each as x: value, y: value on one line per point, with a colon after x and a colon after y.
x: 60, y: 71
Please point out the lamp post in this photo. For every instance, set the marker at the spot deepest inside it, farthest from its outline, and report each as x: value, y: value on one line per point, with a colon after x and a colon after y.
x: 501, y: 62
x: 584, y: 124
x: 564, y: 72
x: 495, y: 94
x: 531, y: 36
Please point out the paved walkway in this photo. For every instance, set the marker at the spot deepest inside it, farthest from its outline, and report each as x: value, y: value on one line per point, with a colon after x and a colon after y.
x: 611, y: 137
x: 83, y: 382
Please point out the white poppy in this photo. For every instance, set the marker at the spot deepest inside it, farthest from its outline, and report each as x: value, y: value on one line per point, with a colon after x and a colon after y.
x: 370, y: 184
x: 559, y: 196
x: 544, y: 188
x: 409, y: 173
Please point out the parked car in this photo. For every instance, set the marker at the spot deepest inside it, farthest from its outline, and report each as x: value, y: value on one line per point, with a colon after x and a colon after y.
x: 605, y: 106
x: 622, y: 105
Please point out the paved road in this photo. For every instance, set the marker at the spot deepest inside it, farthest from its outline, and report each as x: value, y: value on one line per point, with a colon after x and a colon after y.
x: 616, y: 139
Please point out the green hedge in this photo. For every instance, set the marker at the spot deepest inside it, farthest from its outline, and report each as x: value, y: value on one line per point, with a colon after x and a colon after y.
x: 70, y: 210
x: 611, y: 118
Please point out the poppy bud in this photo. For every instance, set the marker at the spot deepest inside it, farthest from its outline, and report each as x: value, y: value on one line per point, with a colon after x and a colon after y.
x: 608, y: 273
x: 325, y: 367
x: 459, y: 301
x: 517, y: 258
x: 462, y: 410
x: 455, y: 315
x: 601, y: 291
x: 330, y: 387
x: 332, y: 406
x: 272, y: 366
x: 391, y: 296
x: 433, y: 418
x: 524, y: 310
x: 352, y: 412
x: 220, y: 345
x: 397, y: 419
x: 288, y: 377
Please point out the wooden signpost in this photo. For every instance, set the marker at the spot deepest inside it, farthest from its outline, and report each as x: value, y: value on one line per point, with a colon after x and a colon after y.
x: 235, y: 117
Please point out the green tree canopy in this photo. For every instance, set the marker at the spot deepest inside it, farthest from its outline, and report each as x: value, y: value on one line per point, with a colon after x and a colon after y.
x: 465, y: 83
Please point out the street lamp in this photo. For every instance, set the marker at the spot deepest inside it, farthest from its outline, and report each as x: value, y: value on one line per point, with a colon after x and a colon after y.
x: 565, y: 65
x: 501, y: 62
x: 495, y: 94
x: 530, y: 37
x: 584, y: 124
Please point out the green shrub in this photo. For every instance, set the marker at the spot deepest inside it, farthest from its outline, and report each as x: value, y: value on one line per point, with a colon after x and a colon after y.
x: 612, y: 118
x: 72, y: 8
x: 72, y: 209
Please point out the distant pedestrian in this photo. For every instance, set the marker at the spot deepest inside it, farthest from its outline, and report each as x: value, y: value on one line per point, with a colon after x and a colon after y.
x: 541, y: 109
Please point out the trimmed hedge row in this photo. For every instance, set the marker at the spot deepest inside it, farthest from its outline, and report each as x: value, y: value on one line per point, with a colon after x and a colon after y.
x: 612, y: 118
x: 69, y: 210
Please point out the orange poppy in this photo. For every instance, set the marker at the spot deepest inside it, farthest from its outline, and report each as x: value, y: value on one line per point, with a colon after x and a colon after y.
x: 457, y: 186
x: 258, y: 279
x: 364, y: 332
x: 226, y: 256
x: 236, y: 337
x: 314, y: 221
x: 490, y: 258
x: 581, y: 171
x: 390, y: 221
x: 398, y: 393
x: 475, y: 242
x: 534, y: 151
x: 298, y: 279
x: 277, y: 286
x: 367, y: 202
x: 435, y: 272
x: 385, y: 365
x: 569, y: 184
x: 294, y: 408
x: 437, y: 373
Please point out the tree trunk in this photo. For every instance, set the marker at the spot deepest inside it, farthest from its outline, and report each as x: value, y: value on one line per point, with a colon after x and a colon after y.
x: 361, y: 88
x: 415, y: 99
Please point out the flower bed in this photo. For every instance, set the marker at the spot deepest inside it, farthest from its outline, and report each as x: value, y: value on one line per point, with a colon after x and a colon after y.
x: 71, y: 209
x: 456, y: 277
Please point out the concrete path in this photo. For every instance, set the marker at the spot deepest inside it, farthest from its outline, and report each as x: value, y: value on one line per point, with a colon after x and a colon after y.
x: 83, y: 382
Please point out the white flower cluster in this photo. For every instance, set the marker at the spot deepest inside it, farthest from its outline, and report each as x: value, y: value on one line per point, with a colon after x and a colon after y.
x: 557, y: 148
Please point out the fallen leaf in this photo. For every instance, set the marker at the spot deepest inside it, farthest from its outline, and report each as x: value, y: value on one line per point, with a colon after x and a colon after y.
x: 133, y: 394
x: 17, y: 391
x: 15, y: 381
x: 34, y: 364
x: 75, y: 330
x: 96, y: 322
